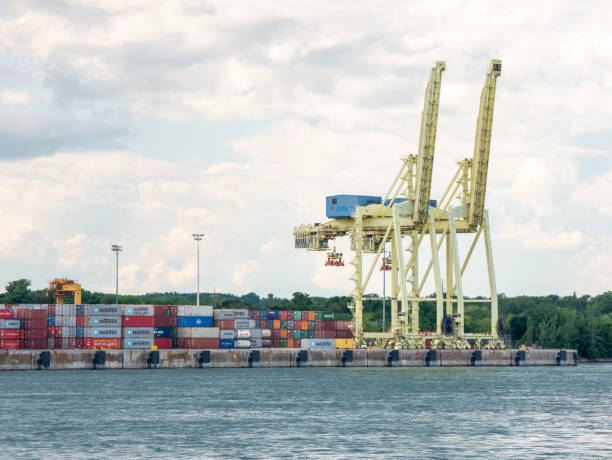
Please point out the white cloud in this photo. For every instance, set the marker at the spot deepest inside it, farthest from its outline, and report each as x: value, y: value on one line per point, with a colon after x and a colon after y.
x: 15, y: 97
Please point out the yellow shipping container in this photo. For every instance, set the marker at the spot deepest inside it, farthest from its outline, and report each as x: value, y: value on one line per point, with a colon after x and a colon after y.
x: 344, y: 343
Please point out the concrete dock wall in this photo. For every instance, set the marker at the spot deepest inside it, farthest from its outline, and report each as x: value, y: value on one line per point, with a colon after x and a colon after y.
x: 284, y: 357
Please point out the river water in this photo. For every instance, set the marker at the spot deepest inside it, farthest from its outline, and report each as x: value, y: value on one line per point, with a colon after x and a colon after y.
x: 509, y: 412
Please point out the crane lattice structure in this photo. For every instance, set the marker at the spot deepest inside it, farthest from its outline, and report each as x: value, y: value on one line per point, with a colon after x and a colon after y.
x: 404, y: 218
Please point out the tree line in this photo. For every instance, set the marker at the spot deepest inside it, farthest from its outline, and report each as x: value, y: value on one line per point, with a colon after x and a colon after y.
x: 583, y: 323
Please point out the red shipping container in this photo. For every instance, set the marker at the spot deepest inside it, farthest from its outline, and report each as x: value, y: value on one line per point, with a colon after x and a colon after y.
x: 163, y: 344
x: 256, y: 315
x: 10, y: 344
x: 224, y: 324
x: 38, y: 323
x: 283, y: 315
x: 344, y: 334
x: 31, y: 314
x: 51, y: 310
x: 290, y: 316
x: 163, y: 321
x: 57, y: 344
x: 318, y: 333
x: 6, y: 313
x: 327, y: 334
x: 318, y: 325
x: 198, y: 343
x: 137, y: 321
x: 290, y: 343
x: 276, y: 333
x: 10, y: 333
x: 101, y: 344
x: 35, y: 333
x: 304, y: 316
x: 329, y: 325
x: 165, y: 310
x: 80, y: 321
x: 343, y: 325
x: 276, y: 343
x: 78, y: 342
x: 35, y: 344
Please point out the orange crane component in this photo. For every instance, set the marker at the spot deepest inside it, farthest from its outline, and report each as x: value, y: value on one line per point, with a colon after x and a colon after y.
x: 334, y: 259
x: 62, y: 288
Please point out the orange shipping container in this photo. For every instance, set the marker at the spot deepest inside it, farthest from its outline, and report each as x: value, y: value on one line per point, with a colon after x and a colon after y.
x: 101, y: 344
x: 283, y: 333
x: 289, y: 343
x: 276, y: 324
x: 304, y: 325
x: 311, y: 316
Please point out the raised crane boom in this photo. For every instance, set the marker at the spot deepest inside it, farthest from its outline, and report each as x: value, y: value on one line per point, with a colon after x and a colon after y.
x: 427, y: 143
x: 482, y: 146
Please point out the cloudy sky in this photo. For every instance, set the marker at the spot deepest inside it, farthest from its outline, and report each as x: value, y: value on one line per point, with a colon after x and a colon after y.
x: 141, y: 124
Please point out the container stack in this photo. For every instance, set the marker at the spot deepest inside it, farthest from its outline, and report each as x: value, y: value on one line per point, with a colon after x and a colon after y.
x: 62, y: 328
x: 11, y: 333
x: 138, y: 327
x: 100, y: 326
x: 195, y: 327
x: 34, y: 327
x: 224, y: 320
x: 164, y: 324
x: 238, y: 329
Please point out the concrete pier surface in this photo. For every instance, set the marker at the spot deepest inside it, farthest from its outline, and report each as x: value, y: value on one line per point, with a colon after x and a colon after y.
x: 278, y: 357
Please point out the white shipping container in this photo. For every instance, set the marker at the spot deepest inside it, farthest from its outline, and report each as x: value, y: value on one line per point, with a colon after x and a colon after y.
x: 96, y: 321
x: 72, y: 310
x: 266, y: 333
x: 226, y: 334
x: 241, y: 314
x: 68, y: 331
x: 138, y: 343
x: 244, y: 324
x: 138, y: 310
x: 59, y: 310
x: 223, y: 314
x: 198, y: 332
x: 256, y: 333
x: 243, y: 333
x: 139, y: 332
x: 256, y: 343
x: 103, y: 332
x: 194, y: 310
x: 243, y: 344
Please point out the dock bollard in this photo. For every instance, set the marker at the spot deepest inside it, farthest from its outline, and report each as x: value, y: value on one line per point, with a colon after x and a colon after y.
x: 561, y: 358
x: 575, y: 358
x: 254, y: 357
x: 99, y: 361
x: 393, y: 358
x: 302, y: 358
x: 519, y: 359
x: 347, y: 358
x: 204, y: 359
x: 476, y: 358
x: 44, y: 360
x: 431, y: 358
x: 153, y: 360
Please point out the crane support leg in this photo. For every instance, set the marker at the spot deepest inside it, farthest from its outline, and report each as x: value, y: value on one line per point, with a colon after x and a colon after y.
x: 457, y: 271
x: 414, y: 276
x: 436, y: 268
x: 357, y: 278
x: 394, y: 285
x: 491, y: 269
x: 402, y: 273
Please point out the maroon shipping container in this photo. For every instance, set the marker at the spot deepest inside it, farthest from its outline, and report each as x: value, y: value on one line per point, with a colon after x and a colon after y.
x: 276, y: 333
x: 51, y: 310
x: 263, y: 324
x: 39, y: 313
x: 78, y: 342
x: 276, y: 343
x: 6, y: 313
x: 35, y: 333
x: 329, y: 325
x: 163, y: 344
x: 283, y: 315
x: 344, y: 334
x: 318, y: 325
x: 38, y: 323
x: 165, y: 310
x: 256, y: 315
x: 80, y: 321
x: 206, y: 344
x: 318, y: 333
x: 344, y: 325
x: 138, y: 321
x: 224, y: 324
x: 328, y: 334
x: 35, y: 344
x: 163, y: 321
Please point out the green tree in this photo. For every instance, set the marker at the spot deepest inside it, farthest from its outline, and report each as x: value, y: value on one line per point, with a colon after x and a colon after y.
x: 18, y: 291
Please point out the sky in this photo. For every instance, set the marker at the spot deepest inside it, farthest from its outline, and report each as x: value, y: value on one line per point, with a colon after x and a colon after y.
x: 139, y: 123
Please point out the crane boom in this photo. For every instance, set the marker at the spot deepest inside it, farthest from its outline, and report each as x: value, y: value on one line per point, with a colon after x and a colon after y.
x: 482, y: 146
x: 427, y: 142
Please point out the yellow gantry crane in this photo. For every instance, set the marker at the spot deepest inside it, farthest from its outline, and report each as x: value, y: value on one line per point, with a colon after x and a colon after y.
x: 406, y: 212
x: 62, y: 288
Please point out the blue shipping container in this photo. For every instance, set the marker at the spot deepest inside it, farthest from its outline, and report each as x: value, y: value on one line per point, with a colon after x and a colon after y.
x: 194, y: 321
x: 270, y: 324
x: 51, y: 320
x: 273, y: 314
x: 263, y: 314
x: 226, y: 343
x: 343, y: 206
x: 162, y: 332
x: 80, y: 331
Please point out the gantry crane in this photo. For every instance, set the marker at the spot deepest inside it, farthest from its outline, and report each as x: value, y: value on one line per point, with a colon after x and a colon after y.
x: 407, y: 211
x: 62, y: 288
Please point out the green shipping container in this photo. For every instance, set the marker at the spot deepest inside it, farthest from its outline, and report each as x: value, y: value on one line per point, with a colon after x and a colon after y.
x: 283, y: 343
x: 328, y: 316
x: 297, y: 315
x: 283, y: 324
x: 319, y: 316
x: 297, y: 334
x: 311, y: 325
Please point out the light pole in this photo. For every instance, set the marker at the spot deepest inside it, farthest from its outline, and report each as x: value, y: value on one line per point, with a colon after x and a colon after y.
x: 116, y: 249
x: 198, y: 237
x: 384, y: 286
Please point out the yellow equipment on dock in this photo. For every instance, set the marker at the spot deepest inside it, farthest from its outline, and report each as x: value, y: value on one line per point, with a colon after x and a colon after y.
x: 62, y: 288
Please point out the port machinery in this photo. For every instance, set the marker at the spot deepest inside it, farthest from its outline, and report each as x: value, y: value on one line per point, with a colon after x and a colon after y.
x: 404, y: 218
